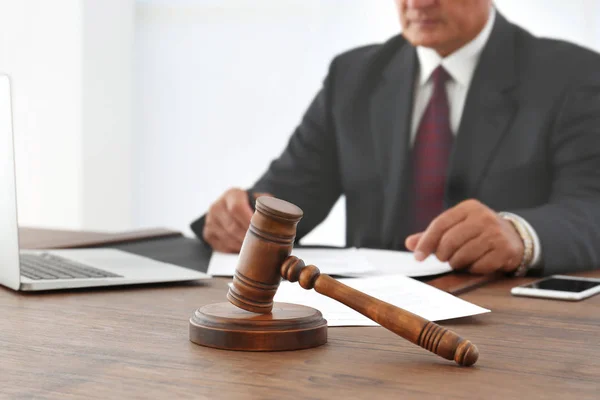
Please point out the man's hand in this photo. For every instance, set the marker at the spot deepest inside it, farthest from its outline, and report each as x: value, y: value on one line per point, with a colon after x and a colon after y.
x: 227, y: 221
x: 470, y: 236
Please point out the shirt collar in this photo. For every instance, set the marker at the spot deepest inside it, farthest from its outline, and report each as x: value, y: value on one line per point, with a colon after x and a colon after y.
x: 460, y: 64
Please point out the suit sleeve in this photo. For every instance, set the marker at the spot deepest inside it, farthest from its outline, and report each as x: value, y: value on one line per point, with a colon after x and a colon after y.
x: 307, y: 172
x: 568, y: 226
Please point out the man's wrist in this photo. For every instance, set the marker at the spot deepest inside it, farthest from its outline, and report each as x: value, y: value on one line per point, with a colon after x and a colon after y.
x: 528, y: 243
x: 536, y: 262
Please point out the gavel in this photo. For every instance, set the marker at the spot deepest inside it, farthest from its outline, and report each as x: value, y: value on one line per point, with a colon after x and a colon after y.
x: 265, y: 258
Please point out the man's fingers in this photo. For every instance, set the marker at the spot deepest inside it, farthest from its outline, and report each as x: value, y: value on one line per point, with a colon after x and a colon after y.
x: 217, y: 235
x: 227, y: 221
x: 236, y: 205
x: 219, y: 239
x: 470, y: 235
x: 431, y: 237
x: 486, y: 264
x: 470, y: 252
x: 412, y: 240
x: 456, y: 237
x: 230, y: 226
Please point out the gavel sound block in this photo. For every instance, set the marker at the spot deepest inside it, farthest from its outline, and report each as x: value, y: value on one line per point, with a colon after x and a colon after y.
x: 251, y: 321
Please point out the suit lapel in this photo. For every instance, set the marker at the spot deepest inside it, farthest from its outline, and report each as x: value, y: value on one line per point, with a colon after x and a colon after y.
x: 391, y: 115
x: 487, y: 115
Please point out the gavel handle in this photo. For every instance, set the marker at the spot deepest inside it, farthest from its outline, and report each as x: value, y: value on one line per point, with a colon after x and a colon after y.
x: 412, y: 327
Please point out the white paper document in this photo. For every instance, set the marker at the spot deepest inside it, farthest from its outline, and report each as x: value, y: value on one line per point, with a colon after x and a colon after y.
x: 347, y: 262
x: 399, y: 290
x: 329, y: 261
x: 390, y: 262
x: 222, y: 264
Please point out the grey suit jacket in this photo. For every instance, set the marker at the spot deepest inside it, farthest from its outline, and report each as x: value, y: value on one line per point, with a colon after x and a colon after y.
x: 528, y: 143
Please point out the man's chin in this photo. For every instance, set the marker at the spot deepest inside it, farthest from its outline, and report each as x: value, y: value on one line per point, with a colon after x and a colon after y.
x: 423, y: 41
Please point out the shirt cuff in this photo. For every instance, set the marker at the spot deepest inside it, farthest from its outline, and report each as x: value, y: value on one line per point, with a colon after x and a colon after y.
x: 537, y: 247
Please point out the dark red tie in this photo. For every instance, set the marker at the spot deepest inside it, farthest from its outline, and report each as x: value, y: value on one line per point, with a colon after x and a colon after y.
x: 430, y: 155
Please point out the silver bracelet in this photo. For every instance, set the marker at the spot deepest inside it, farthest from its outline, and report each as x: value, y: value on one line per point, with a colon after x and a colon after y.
x: 527, y: 244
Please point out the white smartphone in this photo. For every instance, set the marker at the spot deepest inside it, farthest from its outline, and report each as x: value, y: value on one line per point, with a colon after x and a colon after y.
x: 560, y: 287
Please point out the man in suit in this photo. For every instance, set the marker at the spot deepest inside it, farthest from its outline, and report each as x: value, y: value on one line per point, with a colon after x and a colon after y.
x: 465, y: 137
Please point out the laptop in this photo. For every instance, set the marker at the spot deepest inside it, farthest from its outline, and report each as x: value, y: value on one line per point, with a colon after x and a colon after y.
x: 62, y: 269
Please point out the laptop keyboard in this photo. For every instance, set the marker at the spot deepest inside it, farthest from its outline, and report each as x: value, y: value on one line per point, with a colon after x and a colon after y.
x: 49, y: 266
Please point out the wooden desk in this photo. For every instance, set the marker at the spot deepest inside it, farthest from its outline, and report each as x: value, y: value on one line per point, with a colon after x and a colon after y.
x: 133, y: 343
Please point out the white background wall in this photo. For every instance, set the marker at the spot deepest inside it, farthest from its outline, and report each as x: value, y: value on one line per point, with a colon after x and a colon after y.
x: 107, y: 114
x: 71, y: 64
x: 140, y: 113
x: 40, y: 47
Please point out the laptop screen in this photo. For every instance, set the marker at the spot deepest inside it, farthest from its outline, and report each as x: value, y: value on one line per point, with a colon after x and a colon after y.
x: 9, y: 235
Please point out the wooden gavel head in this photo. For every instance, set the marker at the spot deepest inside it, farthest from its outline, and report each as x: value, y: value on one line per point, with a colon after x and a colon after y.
x: 268, y: 242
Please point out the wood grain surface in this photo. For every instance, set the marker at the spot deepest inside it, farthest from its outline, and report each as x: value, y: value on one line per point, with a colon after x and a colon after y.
x: 133, y: 343
x: 287, y: 327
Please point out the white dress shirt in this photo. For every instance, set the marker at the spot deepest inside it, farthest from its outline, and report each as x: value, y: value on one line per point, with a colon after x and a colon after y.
x: 460, y: 65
